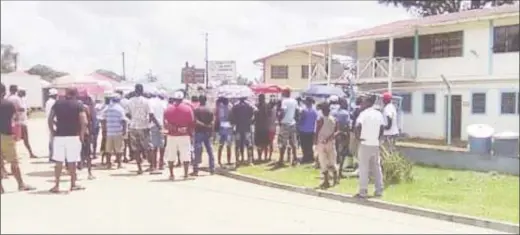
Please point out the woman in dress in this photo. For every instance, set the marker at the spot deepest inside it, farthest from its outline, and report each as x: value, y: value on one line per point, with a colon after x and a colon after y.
x: 261, y: 119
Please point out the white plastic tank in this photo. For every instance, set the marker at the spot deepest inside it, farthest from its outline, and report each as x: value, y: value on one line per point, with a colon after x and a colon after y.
x: 480, y: 138
x: 506, y: 144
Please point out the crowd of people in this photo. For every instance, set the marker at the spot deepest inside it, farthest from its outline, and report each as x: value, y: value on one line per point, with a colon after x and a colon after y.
x: 169, y: 130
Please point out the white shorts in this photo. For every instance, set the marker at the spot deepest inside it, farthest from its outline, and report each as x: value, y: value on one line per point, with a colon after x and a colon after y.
x: 178, y: 143
x: 66, y: 148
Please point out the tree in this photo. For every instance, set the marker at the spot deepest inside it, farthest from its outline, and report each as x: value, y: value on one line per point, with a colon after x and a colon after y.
x: 429, y: 7
x: 9, y: 58
x: 45, y: 72
x: 243, y: 81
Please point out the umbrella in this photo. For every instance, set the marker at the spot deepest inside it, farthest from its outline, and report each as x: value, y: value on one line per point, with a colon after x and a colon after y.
x: 234, y: 91
x: 83, y: 83
x: 266, y: 88
x: 324, y: 91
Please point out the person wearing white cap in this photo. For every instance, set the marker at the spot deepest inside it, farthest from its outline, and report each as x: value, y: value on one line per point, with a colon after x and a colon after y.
x: 179, y: 121
x: 53, y: 94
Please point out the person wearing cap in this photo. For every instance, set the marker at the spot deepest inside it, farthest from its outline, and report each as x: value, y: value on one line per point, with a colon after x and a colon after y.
x: 140, y: 116
x: 179, y: 122
x: 113, y: 121
x: 391, y: 128
x: 53, y: 94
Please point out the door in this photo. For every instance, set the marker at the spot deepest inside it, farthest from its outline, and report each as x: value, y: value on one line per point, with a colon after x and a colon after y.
x: 456, y: 116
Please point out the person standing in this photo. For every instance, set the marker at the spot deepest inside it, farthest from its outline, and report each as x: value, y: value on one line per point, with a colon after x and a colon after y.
x: 307, y: 128
x: 342, y: 117
x: 179, y: 122
x: 326, y: 132
x: 262, y: 124
x: 203, y: 128
x: 273, y: 123
x: 158, y: 106
x: 114, y: 122
x: 287, y: 134
x: 140, y: 116
x: 225, y: 131
x: 354, y: 142
x: 21, y: 116
x: 391, y: 129
x: 369, y: 129
x: 8, y: 152
x: 53, y: 93
x: 70, y: 131
x: 242, y: 118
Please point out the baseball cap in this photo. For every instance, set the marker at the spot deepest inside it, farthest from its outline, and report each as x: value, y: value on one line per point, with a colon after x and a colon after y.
x: 387, y: 96
x: 178, y: 95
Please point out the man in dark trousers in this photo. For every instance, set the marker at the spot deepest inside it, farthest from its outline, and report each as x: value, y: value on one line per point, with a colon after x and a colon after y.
x: 203, y: 129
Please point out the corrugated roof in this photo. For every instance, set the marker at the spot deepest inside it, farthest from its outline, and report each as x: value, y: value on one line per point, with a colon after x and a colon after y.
x: 403, y: 25
x: 279, y: 53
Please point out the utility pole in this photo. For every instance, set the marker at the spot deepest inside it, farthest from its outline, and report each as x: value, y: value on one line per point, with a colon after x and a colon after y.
x: 124, y: 67
x: 206, y: 79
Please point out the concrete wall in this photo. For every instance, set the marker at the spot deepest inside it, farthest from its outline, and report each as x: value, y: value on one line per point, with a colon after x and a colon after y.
x: 462, y: 160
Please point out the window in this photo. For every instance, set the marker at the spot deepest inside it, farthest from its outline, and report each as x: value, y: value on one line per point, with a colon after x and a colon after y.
x: 478, y: 103
x: 508, y: 103
x: 506, y: 39
x: 403, y: 47
x: 305, y: 71
x: 441, y: 45
x: 279, y: 71
x: 406, y: 103
x: 429, y: 103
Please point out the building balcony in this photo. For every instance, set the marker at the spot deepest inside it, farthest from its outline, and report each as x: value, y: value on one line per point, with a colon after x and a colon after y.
x: 377, y: 70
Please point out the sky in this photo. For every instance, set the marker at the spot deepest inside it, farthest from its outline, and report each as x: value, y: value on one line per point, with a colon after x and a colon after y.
x: 82, y: 36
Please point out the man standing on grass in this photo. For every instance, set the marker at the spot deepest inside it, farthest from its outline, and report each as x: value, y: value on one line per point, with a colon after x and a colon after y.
x: 114, y: 122
x: 307, y: 128
x: 179, y: 122
x: 326, y: 130
x: 140, y: 116
x: 71, y: 128
x: 7, y: 141
x: 242, y: 118
x: 288, y: 130
x: 391, y: 129
x: 369, y: 129
x: 203, y: 128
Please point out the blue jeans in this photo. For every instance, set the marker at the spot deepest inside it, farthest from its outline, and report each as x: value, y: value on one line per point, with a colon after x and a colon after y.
x: 203, y: 138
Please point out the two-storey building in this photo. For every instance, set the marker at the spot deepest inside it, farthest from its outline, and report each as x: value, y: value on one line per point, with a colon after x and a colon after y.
x: 477, y: 51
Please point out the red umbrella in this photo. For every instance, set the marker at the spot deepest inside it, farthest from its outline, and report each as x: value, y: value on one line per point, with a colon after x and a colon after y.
x: 266, y: 88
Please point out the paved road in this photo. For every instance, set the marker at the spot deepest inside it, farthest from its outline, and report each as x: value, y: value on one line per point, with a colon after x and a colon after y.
x: 119, y: 202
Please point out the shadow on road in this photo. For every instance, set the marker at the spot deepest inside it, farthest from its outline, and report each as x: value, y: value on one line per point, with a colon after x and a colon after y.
x: 41, y: 174
x: 47, y: 192
x: 44, y: 162
x: 128, y: 174
x: 166, y: 180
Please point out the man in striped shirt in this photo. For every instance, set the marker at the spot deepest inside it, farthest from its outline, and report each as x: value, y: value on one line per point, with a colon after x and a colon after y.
x: 114, y: 122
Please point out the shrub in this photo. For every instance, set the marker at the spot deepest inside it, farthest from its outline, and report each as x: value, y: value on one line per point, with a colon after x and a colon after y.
x: 396, y: 168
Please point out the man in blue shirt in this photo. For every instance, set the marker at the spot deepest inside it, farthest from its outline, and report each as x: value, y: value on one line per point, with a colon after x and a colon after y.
x: 307, y: 128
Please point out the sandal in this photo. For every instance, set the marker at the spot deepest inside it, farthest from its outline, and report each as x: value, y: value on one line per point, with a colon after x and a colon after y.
x: 77, y: 188
x: 26, y: 188
x: 55, y: 190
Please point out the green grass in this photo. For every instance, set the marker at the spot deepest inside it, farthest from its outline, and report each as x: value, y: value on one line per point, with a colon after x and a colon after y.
x: 471, y: 193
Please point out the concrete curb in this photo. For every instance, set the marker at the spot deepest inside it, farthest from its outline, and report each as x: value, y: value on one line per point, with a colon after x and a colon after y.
x: 462, y: 219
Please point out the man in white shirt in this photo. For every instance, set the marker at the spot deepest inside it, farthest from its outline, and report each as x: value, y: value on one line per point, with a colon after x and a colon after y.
x: 18, y: 97
x: 288, y: 129
x: 391, y: 128
x: 157, y: 138
x: 53, y: 93
x: 369, y: 129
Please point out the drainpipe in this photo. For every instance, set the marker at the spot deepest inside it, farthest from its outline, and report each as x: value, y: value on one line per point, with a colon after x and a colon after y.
x: 416, y: 53
x: 490, y: 48
x: 448, y: 113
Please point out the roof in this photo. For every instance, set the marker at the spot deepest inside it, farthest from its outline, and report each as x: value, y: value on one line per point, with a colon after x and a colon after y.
x: 400, y: 27
x: 261, y: 60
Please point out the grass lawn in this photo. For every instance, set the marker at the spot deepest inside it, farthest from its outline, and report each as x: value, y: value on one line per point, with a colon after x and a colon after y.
x: 471, y: 193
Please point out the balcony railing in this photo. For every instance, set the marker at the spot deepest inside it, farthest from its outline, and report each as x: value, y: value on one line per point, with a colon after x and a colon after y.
x: 378, y: 67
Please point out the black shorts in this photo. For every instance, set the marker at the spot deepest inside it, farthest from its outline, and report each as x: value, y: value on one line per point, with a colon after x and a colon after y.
x: 85, y: 148
x: 262, y: 138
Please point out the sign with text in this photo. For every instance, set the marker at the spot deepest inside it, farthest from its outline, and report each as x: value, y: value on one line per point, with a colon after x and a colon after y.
x: 192, y: 75
x: 219, y: 71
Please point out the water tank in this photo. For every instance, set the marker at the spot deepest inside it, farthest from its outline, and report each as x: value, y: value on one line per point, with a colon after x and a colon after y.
x: 505, y: 144
x: 479, y: 138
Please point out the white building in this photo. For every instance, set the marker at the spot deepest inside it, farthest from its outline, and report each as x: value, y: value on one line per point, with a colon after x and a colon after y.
x: 476, y: 50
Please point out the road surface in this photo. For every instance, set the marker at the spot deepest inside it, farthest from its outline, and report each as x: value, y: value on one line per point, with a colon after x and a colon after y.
x: 117, y: 201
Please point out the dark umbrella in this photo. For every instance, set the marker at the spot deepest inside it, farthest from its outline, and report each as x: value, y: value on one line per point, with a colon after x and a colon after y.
x: 324, y: 91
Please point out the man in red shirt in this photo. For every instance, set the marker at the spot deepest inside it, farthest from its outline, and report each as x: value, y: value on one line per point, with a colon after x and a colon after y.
x: 179, y: 121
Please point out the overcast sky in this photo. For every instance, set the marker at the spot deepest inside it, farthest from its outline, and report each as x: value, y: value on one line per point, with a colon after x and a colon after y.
x: 78, y: 37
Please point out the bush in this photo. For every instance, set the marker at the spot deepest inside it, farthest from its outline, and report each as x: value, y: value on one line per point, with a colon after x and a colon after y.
x: 396, y: 168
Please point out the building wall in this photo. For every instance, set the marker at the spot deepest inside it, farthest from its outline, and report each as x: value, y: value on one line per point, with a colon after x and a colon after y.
x: 293, y: 59
x: 433, y: 125
x: 478, y: 60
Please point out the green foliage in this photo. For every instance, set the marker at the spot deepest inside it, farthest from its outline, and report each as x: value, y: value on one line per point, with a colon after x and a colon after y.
x: 396, y: 168
x: 428, y: 8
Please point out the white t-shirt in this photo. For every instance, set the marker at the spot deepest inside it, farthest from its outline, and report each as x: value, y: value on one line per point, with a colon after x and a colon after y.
x: 289, y: 106
x: 48, y: 106
x: 371, y: 121
x: 139, y: 109
x: 158, y: 107
x: 391, y: 112
x: 23, y: 114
